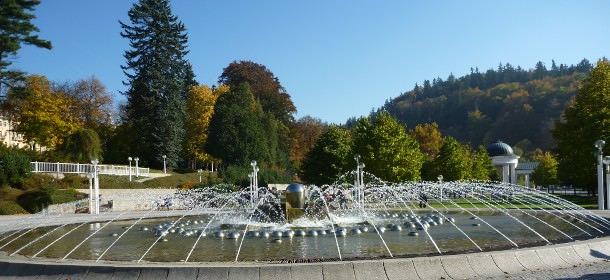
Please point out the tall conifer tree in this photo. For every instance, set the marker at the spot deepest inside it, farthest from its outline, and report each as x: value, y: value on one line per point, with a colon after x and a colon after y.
x: 16, y: 29
x: 159, y: 77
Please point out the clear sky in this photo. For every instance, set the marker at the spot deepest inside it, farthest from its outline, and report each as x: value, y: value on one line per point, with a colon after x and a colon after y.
x: 337, y: 59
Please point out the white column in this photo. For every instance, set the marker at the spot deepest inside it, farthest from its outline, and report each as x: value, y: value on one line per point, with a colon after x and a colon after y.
x: 600, y: 182
x: 608, y: 185
x: 97, y: 193
x: 513, y: 173
x: 527, y: 181
x: 505, y: 173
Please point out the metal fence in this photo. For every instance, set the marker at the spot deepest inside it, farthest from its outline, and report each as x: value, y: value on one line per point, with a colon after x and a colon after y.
x: 78, y: 168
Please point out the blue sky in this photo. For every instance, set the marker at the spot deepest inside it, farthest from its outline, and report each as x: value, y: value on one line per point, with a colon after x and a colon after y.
x: 337, y: 59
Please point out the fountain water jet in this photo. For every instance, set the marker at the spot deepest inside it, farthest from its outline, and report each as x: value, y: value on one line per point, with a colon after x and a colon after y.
x: 344, y: 217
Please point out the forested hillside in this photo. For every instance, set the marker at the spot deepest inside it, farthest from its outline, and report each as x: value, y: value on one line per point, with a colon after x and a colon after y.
x: 510, y: 103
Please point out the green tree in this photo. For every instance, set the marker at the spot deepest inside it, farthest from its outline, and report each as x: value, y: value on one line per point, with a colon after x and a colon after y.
x: 16, y: 29
x: 265, y: 87
x: 82, y: 146
x: 386, y: 148
x: 236, y: 134
x: 482, y: 168
x: 587, y: 120
x: 330, y: 157
x: 453, y: 161
x: 545, y: 173
x: 273, y: 98
x: 159, y: 77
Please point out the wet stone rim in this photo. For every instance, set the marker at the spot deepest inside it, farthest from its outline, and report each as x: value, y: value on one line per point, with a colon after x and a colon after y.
x: 487, y: 264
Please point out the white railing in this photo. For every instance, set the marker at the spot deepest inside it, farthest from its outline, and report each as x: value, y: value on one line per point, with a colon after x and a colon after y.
x: 79, y: 168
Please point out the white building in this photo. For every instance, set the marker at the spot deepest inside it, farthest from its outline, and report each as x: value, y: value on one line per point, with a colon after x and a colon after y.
x: 8, y: 136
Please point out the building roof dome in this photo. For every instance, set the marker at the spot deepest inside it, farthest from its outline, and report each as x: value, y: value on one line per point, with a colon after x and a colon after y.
x: 499, y: 148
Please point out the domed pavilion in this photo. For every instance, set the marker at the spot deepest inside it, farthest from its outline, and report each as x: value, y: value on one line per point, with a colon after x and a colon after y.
x: 505, y: 161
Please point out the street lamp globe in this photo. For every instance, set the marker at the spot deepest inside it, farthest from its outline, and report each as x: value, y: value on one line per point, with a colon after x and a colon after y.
x: 599, y: 144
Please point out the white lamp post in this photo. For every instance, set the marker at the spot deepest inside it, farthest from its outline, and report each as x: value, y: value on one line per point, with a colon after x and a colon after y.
x: 199, y: 171
x: 599, y: 144
x: 440, y: 181
x: 90, y: 177
x: 606, y: 161
x: 254, y: 188
x: 96, y: 185
x: 129, y: 159
x: 165, y: 167
x: 359, y: 186
x: 137, y: 169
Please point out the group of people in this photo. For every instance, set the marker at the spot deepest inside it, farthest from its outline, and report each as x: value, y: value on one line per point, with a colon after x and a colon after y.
x: 341, y: 196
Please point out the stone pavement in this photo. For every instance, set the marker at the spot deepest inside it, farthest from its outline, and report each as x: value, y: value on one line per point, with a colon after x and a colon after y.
x: 576, y: 260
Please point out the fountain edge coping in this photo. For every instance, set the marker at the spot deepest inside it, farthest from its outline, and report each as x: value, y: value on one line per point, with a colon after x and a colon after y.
x: 507, y: 262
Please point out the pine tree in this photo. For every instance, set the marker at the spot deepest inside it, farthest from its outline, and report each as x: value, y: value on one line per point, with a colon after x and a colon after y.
x: 16, y: 29
x: 159, y: 77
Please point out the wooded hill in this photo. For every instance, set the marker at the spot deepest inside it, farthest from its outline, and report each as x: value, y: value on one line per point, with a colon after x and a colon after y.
x: 510, y: 103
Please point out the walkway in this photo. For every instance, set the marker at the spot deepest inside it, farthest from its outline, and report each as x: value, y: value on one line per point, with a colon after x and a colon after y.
x: 79, y: 168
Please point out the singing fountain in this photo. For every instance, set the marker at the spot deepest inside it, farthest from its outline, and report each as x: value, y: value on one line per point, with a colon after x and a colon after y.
x: 336, y: 222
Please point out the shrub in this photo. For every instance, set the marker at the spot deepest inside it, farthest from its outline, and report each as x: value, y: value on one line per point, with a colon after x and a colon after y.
x: 184, y: 170
x: 73, y: 181
x: 14, y: 167
x: 62, y: 196
x: 187, y: 185
x: 38, y: 181
x: 34, y: 201
x: 239, y: 176
x: 236, y: 175
x: 118, y: 182
x: 11, y: 208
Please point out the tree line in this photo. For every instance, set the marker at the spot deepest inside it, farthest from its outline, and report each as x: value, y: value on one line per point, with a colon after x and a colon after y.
x: 510, y: 103
x: 393, y: 153
x: 250, y: 115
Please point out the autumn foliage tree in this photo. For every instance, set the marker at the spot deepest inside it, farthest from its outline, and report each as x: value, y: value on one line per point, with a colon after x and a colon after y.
x: 42, y: 115
x: 429, y: 138
x: 200, y: 103
x: 92, y: 102
x: 304, y: 133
